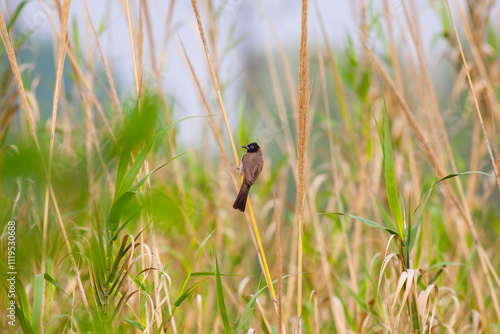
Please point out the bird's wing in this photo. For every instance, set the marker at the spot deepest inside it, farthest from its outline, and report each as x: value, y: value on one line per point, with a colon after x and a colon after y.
x: 251, y: 171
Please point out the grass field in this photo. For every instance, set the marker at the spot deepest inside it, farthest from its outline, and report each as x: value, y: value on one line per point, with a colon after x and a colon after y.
x: 377, y: 210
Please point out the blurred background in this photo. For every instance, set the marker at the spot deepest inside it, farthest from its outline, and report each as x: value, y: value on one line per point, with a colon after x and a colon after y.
x: 245, y: 29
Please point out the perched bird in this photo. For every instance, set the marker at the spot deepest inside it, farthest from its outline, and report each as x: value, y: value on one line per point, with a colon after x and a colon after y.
x: 250, y: 168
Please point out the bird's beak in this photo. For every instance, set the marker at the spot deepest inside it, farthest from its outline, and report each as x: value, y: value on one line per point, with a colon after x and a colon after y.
x: 245, y: 147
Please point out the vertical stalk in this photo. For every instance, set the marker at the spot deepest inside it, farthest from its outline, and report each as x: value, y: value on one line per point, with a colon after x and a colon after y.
x: 301, y: 150
x: 233, y: 146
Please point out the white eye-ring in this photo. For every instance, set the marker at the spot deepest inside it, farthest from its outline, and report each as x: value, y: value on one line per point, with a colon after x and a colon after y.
x: 252, y: 147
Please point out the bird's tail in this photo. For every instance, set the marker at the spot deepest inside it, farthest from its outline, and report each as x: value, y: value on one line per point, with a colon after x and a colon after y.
x: 241, y: 200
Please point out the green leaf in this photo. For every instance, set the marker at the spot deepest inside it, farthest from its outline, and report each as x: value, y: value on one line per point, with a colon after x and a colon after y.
x: 385, y: 214
x: 128, y: 180
x: 25, y: 325
x: 135, y: 324
x: 16, y: 15
x: 22, y: 313
x: 188, y: 292
x: 198, y: 254
x: 445, y: 264
x: 423, y: 204
x: 203, y: 273
x: 361, y: 302
x: 209, y: 273
x: 117, y: 209
x: 125, y: 223
x: 121, y: 253
x: 38, y: 291
x: 390, y: 176
x: 414, y: 228
x: 365, y: 221
x: 141, y: 182
x: 21, y: 39
x: 121, y: 170
x: 220, y: 298
x: 24, y: 305
x: 246, y: 316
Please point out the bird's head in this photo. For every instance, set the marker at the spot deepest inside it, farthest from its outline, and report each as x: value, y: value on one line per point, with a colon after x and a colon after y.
x: 252, y: 147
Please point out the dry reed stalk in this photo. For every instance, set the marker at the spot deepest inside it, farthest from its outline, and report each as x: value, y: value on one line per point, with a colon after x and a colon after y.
x: 171, y: 136
x: 320, y: 239
x: 17, y: 76
x: 166, y: 36
x: 199, y: 308
x: 59, y: 68
x: 140, y: 44
x: 79, y: 74
x: 495, y: 169
x: 352, y: 263
x: 278, y: 96
x: 283, y: 144
x: 485, y: 263
x: 335, y: 73
x: 363, y: 164
x: 437, y: 114
x: 15, y: 69
x: 420, y: 91
x: 392, y: 47
x: 479, y: 62
x: 217, y: 135
x: 114, y: 95
x: 210, y: 119
x: 475, y: 162
x: 263, y: 314
x: 212, y: 32
x: 213, y: 127
x: 138, y: 86
x: 485, y: 260
x: 279, y: 265
x: 290, y: 82
x: 287, y: 71
x: 490, y: 100
x: 88, y: 100
x: 329, y: 130
x: 149, y: 31
x: 217, y: 88
x: 214, y: 77
x: 302, y: 135
x: 132, y: 47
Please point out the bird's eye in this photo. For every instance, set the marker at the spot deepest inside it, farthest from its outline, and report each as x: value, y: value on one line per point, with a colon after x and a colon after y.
x: 252, y: 147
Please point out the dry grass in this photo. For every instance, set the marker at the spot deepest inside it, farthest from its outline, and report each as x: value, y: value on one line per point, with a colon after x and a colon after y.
x: 133, y: 246
x: 302, y: 134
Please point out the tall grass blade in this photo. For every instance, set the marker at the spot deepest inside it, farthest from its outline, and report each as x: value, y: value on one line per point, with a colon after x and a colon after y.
x: 128, y: 180
x: 188, y: 292
x: 15, y: 15
x: 365, y: 221
x: 198, y: 254
x: 220, y: 297
x: 390, y: 176
x: 135, y: 324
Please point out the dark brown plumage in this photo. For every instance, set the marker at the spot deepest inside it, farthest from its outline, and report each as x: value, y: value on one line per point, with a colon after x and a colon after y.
x: 250, y: 168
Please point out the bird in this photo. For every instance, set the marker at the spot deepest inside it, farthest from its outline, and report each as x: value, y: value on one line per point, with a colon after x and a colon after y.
x: 250, y: 168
